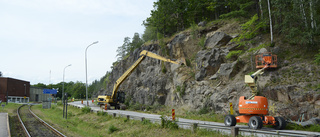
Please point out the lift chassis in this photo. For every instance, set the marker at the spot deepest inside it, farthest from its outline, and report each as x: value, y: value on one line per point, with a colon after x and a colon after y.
x: 254, y: 110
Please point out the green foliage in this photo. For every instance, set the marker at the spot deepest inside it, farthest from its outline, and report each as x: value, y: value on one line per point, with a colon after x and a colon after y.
x: 194, y: 30
x: 150, y: 33
x: 314, y: 128
x: 296, y: 21
x: 112, y: 129
x: 259, y: 47
x: 163, y: 68
x: 202, y: 42
x: 242, y: 12
x: 146, y: 122
x: 249, y: 30
x: 128, y: 47
x: 181, y: 89
x: 172, y: 16
x: 188, y: 62
x: 101, y: 113
x: 166, y: 123
x: 40, y: 85
x: 86, y: 110
x: 203, y: 110
x: 234, y: 53
x: 127, y: 100
x: 317, y: 58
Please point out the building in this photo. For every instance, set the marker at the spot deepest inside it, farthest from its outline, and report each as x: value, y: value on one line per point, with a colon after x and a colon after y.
x: 16, y: 90
x: 36, y: 95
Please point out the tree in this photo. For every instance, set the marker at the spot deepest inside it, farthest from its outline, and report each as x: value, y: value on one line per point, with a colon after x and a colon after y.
x: 40, y: 85
x: 0, y: 74
x: 136, y: 42
x: 271, y: 34
x: 123, y: 50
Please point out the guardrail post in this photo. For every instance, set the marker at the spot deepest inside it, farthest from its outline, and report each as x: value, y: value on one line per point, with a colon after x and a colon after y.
x: 194, y: 127
x: 114, y: 114
x: 128, y: 117
x: 234, y: 131
x: 142, y: 119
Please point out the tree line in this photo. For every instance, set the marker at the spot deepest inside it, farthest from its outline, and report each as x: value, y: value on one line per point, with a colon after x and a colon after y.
x: 73, y: 89
x: 296, y: 20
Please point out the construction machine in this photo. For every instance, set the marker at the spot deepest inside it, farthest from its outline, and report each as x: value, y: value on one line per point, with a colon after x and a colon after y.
x: 118, y: 97
x: 254, y: 110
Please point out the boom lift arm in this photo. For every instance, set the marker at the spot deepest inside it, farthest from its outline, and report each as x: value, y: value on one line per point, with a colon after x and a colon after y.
x: 251, y: 80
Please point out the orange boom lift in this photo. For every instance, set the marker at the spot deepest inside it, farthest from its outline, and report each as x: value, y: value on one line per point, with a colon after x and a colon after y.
x: 254, y: 109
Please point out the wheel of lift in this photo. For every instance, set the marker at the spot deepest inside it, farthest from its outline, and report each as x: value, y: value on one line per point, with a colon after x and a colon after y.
x: 230, y: 120
x: 255, y: 122
x: 280, y: 123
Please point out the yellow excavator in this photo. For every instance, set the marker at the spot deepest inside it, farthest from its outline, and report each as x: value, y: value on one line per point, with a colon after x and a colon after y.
x: 119, y: 97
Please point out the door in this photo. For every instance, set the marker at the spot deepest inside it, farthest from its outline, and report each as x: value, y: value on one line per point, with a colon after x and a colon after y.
x: 37, y: 98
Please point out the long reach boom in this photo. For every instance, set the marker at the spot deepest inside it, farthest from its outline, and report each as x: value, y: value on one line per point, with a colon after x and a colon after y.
x: 116, y: 97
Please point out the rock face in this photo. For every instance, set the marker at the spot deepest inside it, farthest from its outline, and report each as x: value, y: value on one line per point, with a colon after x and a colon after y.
x: 217, y: 39
x: 209, y: 61
x: 212, y: 81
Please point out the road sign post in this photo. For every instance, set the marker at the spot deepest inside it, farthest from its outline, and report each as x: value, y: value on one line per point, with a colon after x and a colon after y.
x: 173, y: 115
x: 231, y: 108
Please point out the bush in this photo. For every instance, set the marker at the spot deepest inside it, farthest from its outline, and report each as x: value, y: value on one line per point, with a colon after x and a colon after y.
x: 166, y: 123
x: 101, y: 113
x: 146, y: 122
x: 112, y: 129
x: 233, y: 53
x: 188, y: 62
x: 202, y: 42
x: 86, y: 110
x: 163, y: 68
x: 203, y: 110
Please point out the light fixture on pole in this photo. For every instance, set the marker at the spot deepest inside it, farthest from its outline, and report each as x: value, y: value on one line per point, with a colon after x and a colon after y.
x: 86, y: 72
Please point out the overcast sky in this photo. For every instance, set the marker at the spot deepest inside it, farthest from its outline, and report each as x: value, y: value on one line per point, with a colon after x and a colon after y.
x: 42, y: 36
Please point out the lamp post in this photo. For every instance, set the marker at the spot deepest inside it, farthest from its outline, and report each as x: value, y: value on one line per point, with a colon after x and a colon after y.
x: 87, y: 73
x: 63, y: 82
x: 63, y: 88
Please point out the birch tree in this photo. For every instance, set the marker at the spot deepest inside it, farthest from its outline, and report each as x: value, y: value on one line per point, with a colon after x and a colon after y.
x: 271, y: 35
x: 261, y: 11
x: 303, y: 13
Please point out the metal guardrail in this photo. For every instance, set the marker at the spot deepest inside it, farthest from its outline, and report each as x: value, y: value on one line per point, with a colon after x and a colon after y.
x: 216, y: 127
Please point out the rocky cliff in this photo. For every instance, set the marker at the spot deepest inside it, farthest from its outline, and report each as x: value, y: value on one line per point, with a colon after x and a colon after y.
x: 209, y: 80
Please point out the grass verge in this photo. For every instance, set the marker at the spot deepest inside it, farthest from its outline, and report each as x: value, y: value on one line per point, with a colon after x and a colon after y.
x: 80, y: 123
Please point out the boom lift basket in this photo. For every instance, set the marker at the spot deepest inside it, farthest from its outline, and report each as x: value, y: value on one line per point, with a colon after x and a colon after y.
x: 266, y: 58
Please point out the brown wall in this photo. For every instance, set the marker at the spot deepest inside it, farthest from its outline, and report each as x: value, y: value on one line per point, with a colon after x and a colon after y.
x: 14, y: 87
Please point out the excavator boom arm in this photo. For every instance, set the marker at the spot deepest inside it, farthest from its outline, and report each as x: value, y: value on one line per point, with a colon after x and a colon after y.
x: 124, y: 76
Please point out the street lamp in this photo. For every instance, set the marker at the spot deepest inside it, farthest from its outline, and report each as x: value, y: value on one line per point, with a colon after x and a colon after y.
x: 63, y: 82
x: 86, y: 72
x: 63, y: 89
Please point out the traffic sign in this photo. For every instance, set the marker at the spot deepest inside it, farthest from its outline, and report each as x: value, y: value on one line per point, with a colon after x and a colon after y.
x: 49, y: 91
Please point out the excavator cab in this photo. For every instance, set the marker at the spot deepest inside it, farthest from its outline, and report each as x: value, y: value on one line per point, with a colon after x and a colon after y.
x: 266, y: 58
